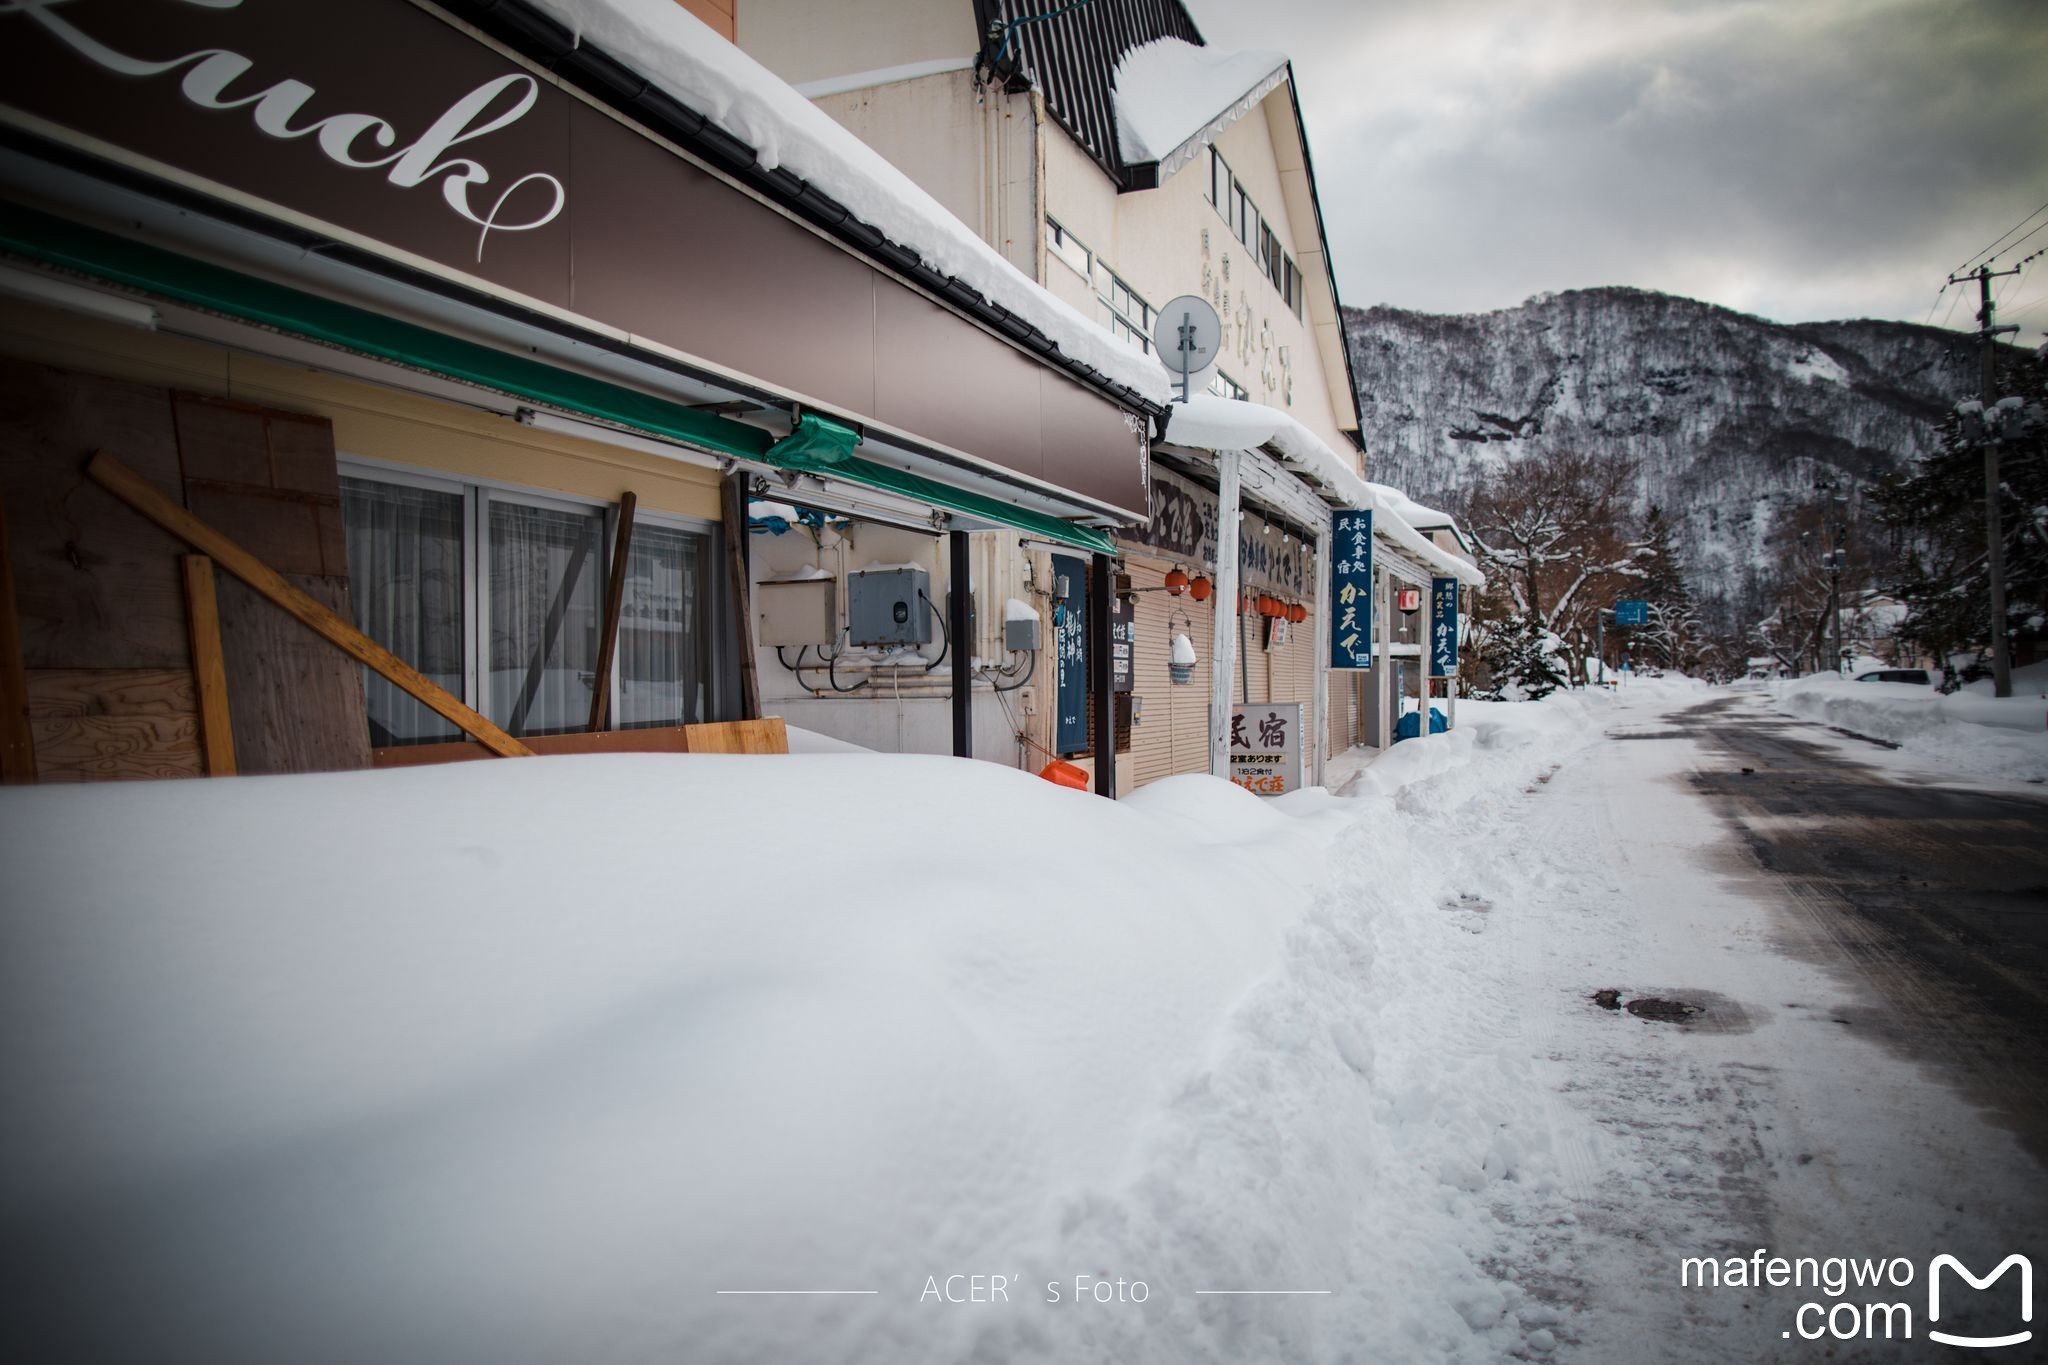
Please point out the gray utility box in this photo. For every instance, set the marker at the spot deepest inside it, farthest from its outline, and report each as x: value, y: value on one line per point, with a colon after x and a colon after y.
x: 796, y: 611
x: 887, y: 606
x: 1020, y: 633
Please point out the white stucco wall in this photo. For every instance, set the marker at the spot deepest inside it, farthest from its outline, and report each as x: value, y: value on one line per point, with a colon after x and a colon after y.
x: 1170, y: 241
x: 803, y: 40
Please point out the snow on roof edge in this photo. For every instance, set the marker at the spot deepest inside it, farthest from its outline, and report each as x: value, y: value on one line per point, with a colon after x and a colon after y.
x: 1165, y: 105
x: 673, y: 49
x: 1209, y: 422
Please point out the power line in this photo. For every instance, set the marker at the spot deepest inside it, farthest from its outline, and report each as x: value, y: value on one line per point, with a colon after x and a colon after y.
x: 2015, y: 246
x: 1996, y: 242
x: 1937, y: 302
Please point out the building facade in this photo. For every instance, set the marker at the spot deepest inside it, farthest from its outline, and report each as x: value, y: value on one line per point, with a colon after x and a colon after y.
x: 1117, y: 160
x: 392, y: 377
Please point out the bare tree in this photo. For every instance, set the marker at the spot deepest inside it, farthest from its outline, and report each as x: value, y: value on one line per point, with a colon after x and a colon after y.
x: 1561, y: 531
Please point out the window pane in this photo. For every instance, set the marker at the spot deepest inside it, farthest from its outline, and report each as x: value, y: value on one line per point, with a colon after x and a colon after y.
x: 405, y: 582
x: 1062, y: 246
x: 664, y: 663
x: 546, y: 597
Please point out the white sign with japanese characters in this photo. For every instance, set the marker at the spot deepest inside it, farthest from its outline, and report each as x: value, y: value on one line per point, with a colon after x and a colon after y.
x: 1265, y: 747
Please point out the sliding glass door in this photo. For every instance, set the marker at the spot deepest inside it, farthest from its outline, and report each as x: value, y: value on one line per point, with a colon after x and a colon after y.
x: 405, y: 556
x: 498, y: 596
x: 545, y: 595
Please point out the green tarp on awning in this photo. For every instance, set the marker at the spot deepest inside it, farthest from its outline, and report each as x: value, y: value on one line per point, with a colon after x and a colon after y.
x: 215, y: 289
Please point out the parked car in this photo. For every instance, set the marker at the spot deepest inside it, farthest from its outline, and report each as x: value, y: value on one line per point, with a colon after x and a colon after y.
x: 1897, y: 675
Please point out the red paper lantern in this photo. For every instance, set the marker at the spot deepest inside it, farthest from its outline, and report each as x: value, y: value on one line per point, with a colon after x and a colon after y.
x: 1297, y: 613
x: 1200, y: 589
x: 1177, y: 581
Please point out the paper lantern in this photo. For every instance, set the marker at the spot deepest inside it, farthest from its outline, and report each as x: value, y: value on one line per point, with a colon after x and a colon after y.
x: 1177, y: 580
x: 1200, y: 588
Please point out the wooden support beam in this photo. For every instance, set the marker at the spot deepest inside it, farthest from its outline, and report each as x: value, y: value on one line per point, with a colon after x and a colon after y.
x: 131, y: 488
x: 209, y: 668
x: 17, y: 741
x: 735, y: 509
x: 614, y: 602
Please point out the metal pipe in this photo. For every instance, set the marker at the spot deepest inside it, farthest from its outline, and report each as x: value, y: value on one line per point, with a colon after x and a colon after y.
x: 1223, y: 648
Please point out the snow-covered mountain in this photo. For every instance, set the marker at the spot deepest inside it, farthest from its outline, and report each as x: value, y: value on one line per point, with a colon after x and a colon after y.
x: 1731, y: 417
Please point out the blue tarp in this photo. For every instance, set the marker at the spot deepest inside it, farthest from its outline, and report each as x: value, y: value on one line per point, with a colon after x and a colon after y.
x: 1410, y: 725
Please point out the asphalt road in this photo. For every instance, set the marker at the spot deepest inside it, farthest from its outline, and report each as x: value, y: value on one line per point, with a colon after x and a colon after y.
x: 1932, y: 896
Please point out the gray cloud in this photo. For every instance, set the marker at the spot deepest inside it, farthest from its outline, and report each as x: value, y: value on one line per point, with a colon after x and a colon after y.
x: 1796, y: 158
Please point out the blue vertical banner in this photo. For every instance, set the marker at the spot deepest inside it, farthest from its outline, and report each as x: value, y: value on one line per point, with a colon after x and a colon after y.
x: 1351, y: 589
x: 1070, y: 656
x: 1443, y: 627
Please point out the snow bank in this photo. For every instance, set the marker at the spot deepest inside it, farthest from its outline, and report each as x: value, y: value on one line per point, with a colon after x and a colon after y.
x: 1169, y: 91
x: 525, y: 1060
x: 663, y: 42
x: 1561, y: 722
x: 1963, y: 732
x: 1208, y: 421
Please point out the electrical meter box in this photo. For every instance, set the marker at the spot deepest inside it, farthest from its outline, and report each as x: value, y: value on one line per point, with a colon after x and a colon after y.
x: 889, y: 606
x: 798, y: 611
x: 1020, y: 633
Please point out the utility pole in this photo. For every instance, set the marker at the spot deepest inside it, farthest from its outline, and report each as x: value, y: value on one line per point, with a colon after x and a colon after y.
x: 1987, y: 387
x: 1834, y: 557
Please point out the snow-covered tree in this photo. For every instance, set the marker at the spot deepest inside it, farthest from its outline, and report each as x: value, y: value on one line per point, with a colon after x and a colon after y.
x: 1942, y: 574
x: 1559, y: 532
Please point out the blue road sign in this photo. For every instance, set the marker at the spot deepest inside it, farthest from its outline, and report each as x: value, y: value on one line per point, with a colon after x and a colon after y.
x: 1631, y: 611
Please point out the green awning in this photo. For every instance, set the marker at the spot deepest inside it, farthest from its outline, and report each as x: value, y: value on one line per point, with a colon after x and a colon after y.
x: 54, y: 241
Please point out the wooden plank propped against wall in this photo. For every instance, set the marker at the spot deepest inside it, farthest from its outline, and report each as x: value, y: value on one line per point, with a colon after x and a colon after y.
x: 125, y: 484
x: 614, y: 602
x: 17, y: 741
x: 209, y: 667
x: 735, y: 508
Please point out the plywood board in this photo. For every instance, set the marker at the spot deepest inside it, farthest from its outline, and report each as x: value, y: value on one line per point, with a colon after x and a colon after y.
x: 96, y: 585
x: 767, y: 735
x: 665, y: 739
x: 296, y: 700
x: 113, y: 723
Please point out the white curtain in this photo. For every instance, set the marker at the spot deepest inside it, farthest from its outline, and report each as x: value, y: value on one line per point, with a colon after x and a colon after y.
x: 663, y: 661
x: 405, y: 580
x: 546, y: 609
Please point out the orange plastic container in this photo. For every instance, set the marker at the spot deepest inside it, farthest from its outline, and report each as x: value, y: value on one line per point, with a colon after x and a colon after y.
x: 1061, y: 773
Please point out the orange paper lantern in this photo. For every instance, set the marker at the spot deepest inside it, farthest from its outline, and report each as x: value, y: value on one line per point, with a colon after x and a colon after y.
x: 1177, y: 581
x: 1200, y: 589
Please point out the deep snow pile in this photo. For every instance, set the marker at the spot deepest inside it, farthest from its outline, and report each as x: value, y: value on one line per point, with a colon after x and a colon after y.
x: 528, y: 1060
x: 1962, y: 732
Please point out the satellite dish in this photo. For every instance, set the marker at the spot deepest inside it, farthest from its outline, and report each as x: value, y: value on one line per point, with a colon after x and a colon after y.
x: 1188, y: 334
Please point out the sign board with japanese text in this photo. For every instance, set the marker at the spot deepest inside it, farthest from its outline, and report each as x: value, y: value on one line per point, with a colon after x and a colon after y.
x: 1070, y: 657
x: 1265, y: 747
x: 1443, y: 627
x: 1351, y: 590
x: 1631, y: 611
x: 1123, y: 643
x: 1183, y: 527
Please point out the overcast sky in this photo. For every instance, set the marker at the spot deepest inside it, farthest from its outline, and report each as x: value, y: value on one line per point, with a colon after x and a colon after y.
x: 1801, y: 159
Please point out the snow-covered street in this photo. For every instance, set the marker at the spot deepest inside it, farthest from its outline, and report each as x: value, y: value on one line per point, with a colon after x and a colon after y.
x: 1353, y: 1055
